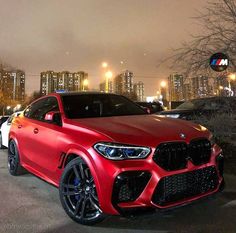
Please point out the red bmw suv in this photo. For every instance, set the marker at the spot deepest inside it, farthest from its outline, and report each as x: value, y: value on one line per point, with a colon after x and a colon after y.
x: 107, y: 155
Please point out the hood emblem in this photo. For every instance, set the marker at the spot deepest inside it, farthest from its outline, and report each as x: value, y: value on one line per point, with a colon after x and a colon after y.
x: 182, y: 135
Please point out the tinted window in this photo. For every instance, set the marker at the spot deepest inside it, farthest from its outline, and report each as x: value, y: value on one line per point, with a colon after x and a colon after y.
x: 99, y: 105
x: 39, y: 109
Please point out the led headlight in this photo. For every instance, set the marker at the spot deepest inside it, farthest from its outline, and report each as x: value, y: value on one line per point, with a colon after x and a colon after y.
x: 119, y: 152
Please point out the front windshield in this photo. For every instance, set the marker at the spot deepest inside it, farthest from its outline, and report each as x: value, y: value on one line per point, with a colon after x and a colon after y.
x: 99, y: 105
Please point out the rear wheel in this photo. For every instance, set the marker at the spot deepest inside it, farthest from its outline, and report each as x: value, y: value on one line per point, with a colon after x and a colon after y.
x: 14, y: 166
x: 78, y: 193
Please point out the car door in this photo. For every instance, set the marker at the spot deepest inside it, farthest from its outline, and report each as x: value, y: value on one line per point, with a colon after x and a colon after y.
x: 39, y: 138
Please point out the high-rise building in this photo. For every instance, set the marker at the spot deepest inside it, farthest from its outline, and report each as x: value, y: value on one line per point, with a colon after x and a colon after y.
x: 200, y: 87
x: 187, y: 90
x: 123, y: 83
x: 12, y: 85
x: 139, y: 90
x: 175, y: 87
x: 63, y: 81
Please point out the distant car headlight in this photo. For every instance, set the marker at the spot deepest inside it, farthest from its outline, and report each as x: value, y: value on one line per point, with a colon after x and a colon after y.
x: 116, y: 151
x: 173, y: 115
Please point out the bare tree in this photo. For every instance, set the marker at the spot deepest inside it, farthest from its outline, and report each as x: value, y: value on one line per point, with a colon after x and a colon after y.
x: 218, y: 23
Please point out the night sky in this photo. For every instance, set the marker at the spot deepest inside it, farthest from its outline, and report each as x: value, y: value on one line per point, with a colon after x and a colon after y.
x: 73, y: 35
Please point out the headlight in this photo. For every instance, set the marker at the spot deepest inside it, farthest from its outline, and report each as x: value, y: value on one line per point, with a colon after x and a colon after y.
x: 119, y: 152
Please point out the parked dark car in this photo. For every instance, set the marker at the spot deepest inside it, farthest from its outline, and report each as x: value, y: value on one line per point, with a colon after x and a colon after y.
x: 189, y: 110
x: 152, y: 107
x: 3, y: 119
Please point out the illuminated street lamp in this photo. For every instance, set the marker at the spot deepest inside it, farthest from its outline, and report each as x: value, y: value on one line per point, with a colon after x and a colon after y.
x: 8, y: 107
x: 18, y: 106
x: 104, y: 65
x: 232, y: 77
x: 163, y: 84
x: 221, y: 87
x: 85, y: 84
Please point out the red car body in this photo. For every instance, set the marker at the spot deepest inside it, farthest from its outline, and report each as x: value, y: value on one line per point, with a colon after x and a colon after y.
x: 44, y: 148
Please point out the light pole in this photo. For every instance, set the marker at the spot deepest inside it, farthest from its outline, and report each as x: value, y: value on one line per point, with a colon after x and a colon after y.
x: 163, y: 89
x: 85, y: 84
x: 108, y: 76
x: 231, y: 77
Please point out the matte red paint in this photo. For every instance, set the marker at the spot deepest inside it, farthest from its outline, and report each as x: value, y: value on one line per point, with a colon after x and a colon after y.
x: 40, y: 150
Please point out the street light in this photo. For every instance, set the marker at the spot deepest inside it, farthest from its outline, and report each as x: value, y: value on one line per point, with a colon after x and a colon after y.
x: 163, y: 84
x: 108, y: 74
x: 18, y: 106
x: 104, y: 65
x: 232, y: 77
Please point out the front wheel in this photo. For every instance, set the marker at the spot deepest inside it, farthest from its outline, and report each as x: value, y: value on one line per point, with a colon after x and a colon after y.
x: 78, y: 193
x: 14, y: 166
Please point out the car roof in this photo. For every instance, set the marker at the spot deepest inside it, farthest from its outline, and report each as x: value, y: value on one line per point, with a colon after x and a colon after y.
x: 84, y: 93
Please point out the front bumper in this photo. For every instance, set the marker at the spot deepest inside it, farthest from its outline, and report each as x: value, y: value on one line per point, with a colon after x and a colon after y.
x: 123, y: 185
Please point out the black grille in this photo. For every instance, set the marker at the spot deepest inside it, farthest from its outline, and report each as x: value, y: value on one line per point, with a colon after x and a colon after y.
x: 174, y: 155
x: 200, y: 151
x: 185, y: 185
x: 171, y: 156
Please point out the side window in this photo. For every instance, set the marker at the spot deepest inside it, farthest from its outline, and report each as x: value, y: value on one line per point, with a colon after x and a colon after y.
x: 39, y: 109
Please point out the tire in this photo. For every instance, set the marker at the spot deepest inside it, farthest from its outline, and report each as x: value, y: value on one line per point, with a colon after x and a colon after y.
x: 78, y: 193
x: 1, y: 145
x: 14, y: 166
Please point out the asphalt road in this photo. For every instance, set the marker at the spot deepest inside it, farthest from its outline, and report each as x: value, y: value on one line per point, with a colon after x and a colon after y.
x: 28, y: 204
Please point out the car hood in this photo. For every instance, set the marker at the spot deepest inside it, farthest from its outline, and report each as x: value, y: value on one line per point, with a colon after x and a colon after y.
x: 143, y: 129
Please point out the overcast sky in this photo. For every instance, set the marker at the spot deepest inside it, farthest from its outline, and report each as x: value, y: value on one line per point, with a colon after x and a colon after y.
x: 73, y: 35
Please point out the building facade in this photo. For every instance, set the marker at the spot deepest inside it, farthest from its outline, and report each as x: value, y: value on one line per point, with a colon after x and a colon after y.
x: 200, y: 87
x: 51, y: 81
x: 139, y: 90
x: 175, y: 87
x: 123, y: 83
x: 12, y: 85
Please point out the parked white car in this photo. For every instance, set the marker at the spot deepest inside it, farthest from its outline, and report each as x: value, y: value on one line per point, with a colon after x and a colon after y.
x: 5, y: 129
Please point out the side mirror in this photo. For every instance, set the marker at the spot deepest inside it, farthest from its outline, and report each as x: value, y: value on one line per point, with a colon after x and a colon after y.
x: 53, y: 117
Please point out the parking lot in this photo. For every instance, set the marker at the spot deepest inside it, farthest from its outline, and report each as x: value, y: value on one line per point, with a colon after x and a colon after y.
x: 28, y: 204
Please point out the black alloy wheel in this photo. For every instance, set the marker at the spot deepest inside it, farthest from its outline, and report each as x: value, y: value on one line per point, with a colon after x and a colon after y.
x: 14, y: 166
x: 78, y: 193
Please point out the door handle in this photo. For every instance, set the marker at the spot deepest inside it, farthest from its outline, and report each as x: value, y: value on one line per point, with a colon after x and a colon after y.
x: 36, y: 130
x: 19, y: 126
